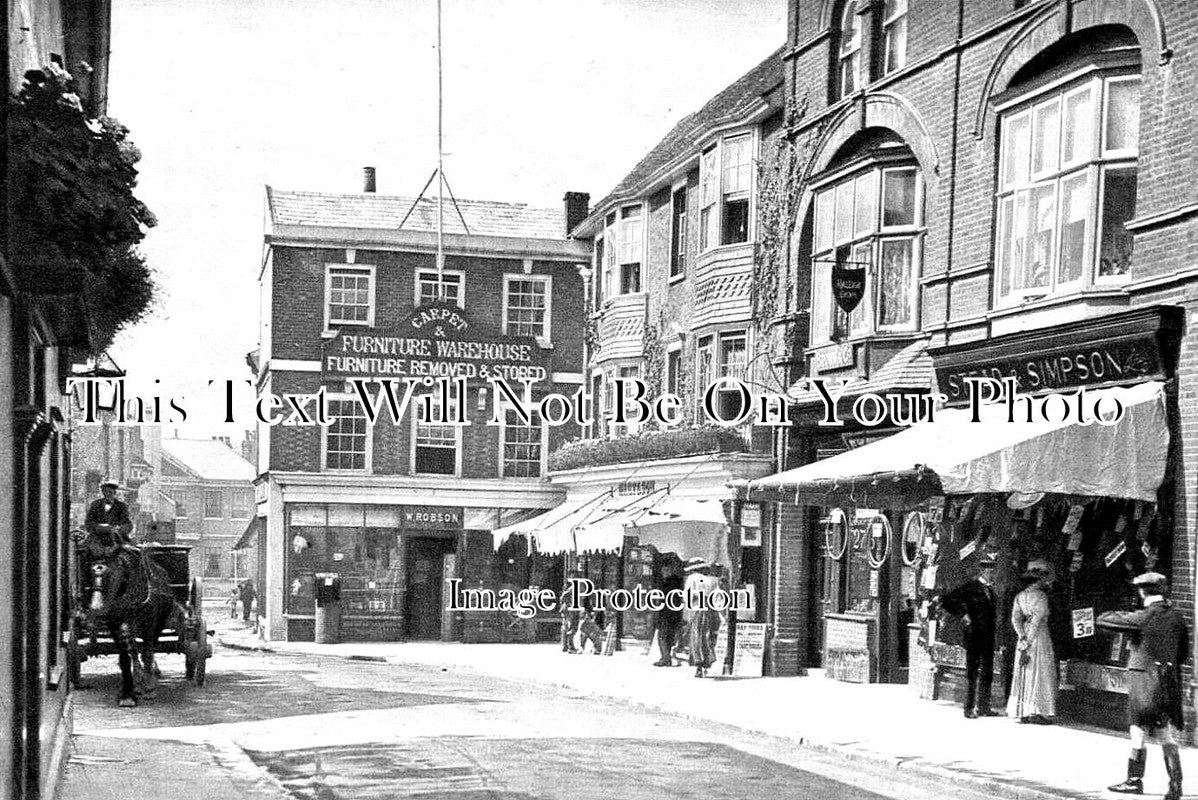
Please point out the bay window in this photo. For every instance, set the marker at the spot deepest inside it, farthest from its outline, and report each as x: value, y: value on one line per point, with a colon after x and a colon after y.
x: 632, y: 246
x: 1067, y: 186
x: 725, y: 184
x: 870, y: 219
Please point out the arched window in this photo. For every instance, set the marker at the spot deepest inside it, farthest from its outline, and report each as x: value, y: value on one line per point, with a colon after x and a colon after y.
x: 850, y: 49
x: 1068, y: 150
x: 869, y: 215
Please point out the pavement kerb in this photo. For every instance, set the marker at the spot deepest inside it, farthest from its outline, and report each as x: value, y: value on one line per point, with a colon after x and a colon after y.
x: 995, y: 787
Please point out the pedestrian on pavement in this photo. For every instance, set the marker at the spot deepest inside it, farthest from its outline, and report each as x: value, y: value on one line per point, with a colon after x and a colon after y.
x: 1160, y: 643
x: 591, y: 627
x: 1034, y: 683
x: 976, y: 602
x: 232, y: 602
x: 704, y: 622
x: 668, y: 619
x: 247, y: 598
x: 569, y: 613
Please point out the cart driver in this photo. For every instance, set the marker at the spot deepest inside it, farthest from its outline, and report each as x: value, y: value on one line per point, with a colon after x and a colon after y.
x: 107, y: 525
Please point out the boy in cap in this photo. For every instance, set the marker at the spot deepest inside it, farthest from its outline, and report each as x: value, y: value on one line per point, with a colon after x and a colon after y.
x: 976, y: 603
x: 1160, y: 642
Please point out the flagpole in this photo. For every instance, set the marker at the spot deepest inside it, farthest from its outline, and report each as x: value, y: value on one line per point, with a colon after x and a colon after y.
x: 440, y: 170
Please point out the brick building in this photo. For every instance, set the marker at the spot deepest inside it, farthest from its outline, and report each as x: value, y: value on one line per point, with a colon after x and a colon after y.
x: 40, y: 323
x: 211, y: 486
x: 1004, y: 188
x: 671, y: 302
x: 350, y: 289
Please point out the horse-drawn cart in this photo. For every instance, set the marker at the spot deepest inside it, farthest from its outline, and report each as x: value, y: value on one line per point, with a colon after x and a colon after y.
x: 148, y: 624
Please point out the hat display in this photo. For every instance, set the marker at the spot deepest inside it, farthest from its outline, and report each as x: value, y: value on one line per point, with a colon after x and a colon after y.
x: 1150, y: 579
x: 1038, y: 568
x: 693, y: 564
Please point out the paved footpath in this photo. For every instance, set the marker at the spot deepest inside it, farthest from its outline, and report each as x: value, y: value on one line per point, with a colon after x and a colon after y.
x: 879, y: 723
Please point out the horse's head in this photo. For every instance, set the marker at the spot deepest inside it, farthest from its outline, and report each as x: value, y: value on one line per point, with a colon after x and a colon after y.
x: 109, y: 582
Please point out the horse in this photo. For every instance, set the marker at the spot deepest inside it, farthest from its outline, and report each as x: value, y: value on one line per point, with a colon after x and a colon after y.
x: 129, y: 595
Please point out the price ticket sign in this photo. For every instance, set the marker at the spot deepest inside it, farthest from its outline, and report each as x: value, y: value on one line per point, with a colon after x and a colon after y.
x: 1116, y: 553
x: 1083, y: 622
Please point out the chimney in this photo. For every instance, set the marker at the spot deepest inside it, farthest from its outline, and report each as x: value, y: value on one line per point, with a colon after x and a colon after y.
x: 578, y: 205
x: 368, y: 179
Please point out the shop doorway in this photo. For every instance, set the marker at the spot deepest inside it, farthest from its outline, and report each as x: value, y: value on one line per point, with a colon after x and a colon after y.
x: 424, y: 607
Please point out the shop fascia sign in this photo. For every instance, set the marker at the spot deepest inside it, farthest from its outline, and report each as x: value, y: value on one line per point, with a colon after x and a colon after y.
x: 434, y: 340
x: 1119, y: 349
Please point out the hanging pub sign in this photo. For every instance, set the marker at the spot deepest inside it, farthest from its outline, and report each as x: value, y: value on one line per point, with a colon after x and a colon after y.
x: 848, y: 284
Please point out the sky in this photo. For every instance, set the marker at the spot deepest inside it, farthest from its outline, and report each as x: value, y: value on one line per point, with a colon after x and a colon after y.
x: 225, y: 96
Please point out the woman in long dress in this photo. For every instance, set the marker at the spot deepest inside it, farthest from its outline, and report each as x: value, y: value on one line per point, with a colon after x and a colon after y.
x: 1034, y: 685
x: 704, y: 622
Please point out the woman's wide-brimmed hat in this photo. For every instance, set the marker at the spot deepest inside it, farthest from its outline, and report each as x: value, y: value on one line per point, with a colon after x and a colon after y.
x: 693, y: 564
x: 1038, y: 568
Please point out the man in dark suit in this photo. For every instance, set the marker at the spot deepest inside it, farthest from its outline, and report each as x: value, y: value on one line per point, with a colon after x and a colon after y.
x: 108, y: 518
x: 976, y: 602
x: 668, y: 619
x: 1160, y: 643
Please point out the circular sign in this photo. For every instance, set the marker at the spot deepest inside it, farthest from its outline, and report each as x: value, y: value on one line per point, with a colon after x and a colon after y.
x: 836, y: 534
x: 913, y: 533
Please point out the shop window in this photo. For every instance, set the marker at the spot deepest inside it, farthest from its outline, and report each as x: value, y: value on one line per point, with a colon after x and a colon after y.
x: 435, y: 443
x: 523, y: 447
x: 678, y: 232
x: 450, y: 289
x: 1067, y: 187
x: 347, y: 439
x: 870, y: 220
x: 214, y: 505
x: 526, y: 306
x: 349, y: 293
x: 213, y: 567
x: 894, y: 35
x: 360, y: 543
x: 849, y: 58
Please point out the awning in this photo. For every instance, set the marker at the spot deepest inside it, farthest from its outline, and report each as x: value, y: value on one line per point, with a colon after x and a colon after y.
x: 249, y: 538
x: 1126, y: 459
x: 687, y: 526
x: 549, y: 527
